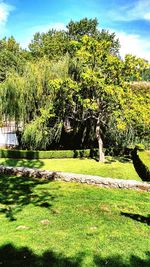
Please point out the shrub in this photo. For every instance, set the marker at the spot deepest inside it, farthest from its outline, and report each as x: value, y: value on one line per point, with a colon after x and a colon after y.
x: 31, y: 154
x: 94, y: 153
x: 141, y: 169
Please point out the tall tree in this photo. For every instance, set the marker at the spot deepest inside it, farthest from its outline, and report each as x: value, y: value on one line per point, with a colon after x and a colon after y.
x: 134, y: 68
x: 104, y: 96
x: 10, y: 57
x: 52, y: 44
x: 98, y: 74
x: 76, y: 30
x: 76, y: 82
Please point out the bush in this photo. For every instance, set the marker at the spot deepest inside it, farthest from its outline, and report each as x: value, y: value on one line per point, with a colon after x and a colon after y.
x: 29, y: 154
x: 141, y: 169
x: 94, y: 153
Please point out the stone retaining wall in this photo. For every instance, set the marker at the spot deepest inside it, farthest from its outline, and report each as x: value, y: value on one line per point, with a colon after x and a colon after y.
x: 71, y: 177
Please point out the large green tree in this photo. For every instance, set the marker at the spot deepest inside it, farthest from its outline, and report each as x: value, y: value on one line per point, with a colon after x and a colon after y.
x: 74, y: 81
x: 98, y: 74
x: 10, y: 57
x: 104, y: 97
x: 55, y: 44
x: 77, y: 29
x: 52, y: 44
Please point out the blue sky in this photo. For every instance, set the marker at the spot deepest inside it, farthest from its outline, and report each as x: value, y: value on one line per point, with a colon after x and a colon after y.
x: 129, y: 19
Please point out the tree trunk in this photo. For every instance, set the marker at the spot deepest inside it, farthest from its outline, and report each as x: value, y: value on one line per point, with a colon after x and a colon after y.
x: 100, y: 150
x: 100, y: 142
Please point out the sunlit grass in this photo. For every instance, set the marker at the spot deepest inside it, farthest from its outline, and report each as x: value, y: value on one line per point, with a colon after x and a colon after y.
x: 145, y: 157
x: 78, y: 225
x: 113, y: 167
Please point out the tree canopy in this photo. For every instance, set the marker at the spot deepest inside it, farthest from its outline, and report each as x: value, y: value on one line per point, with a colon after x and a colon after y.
x: 74, y: 83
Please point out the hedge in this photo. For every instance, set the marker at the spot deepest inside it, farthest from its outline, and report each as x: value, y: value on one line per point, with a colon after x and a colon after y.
x: 28, y: 154
x: 141, y: 169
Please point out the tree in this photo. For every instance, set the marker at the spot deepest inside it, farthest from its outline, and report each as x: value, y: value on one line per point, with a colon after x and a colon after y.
x: 89, y: 27
x: 134, y: 68
x: 55, y: 44
x: 76, y: 30
x: 76, y: 83
x: 33, y: 99
x: 52, y: 44
x: 111, y: 38
x: 10, y: 57
x: 146, y: 74
x: 105, y: 98
x: 98, y: 74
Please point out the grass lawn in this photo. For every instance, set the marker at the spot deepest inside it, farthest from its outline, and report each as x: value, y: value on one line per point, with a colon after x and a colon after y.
x: 59, y: 224
x: 113, y: 167
x: 145, y: 157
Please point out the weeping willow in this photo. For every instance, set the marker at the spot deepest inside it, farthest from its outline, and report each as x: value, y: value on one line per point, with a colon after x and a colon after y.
x: 28, y: 100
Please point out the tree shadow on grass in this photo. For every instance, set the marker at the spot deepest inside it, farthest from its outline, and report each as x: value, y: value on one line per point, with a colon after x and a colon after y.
x: 115, y: 159
x: 11, y: 256
x: 17, y: 192
x: 137, y: 217
x: 123, y: 159
x: 24, y: 257
x: 117, y: 261
x: 110, y: 160
x: 36, y: 163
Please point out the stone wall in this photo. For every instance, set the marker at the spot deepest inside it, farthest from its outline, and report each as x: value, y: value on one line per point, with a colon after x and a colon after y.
x: 70, y: 177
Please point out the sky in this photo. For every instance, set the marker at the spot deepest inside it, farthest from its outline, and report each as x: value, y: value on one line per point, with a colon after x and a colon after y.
x: 129, y: 19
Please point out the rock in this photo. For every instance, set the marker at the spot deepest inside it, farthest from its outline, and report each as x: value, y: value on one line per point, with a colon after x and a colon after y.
x: 71, y: 177
x: 45, y: 222
x: 93, y: 228
x: 22, y: 227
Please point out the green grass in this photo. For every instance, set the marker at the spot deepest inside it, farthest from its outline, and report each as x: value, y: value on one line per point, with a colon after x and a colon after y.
x: 145, y: 157
x: 113, y: 167
x: 59, y: 224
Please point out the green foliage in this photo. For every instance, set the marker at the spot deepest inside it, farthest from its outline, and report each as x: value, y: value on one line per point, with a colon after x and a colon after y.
x: 74, y: 82
x: 134, y: 68
x: 52, y: 44
x: 10, y: 57
x: 146, y: 74
x: 83, y: 27
x: 30, y: 91
x: 89, y: 27
x: 52, y: 154
x: 111, y: 38
x: 142, y: 170
x: 37, y: 134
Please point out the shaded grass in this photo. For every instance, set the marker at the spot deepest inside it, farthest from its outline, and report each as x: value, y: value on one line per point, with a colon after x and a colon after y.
x: 81, y: 225
x: 113, y: 167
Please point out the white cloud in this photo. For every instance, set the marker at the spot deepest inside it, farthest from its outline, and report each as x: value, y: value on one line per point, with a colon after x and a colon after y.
x: 134, y: 44
x: 5, y: 10
x: 133, y: 11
